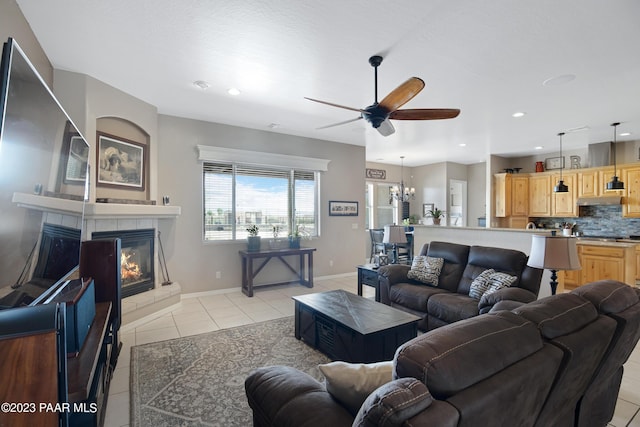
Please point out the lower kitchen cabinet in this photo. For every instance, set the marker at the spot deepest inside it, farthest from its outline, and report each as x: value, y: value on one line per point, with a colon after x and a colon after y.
x: 600, y: 262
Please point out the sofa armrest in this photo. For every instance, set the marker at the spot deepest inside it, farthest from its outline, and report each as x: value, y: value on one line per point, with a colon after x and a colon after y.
x: 284, y: 396
x: 389, y: 275
x: 505, y: 294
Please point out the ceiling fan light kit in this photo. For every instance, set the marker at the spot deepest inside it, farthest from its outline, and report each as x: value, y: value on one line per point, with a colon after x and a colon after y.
x: 378, y: 114
x: 615, y: 184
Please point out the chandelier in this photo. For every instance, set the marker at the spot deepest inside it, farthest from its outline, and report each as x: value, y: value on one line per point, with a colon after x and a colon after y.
x: 401, y: 193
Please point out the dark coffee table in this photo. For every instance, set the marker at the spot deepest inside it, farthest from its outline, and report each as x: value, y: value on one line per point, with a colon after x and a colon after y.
x: 351, y: 328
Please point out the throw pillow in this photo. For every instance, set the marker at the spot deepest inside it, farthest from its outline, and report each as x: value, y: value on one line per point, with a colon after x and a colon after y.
x: 480, y: 284
x: 426, y: 269
x: 498, y: 281
x: 351, y: 383
x: 394, y: 403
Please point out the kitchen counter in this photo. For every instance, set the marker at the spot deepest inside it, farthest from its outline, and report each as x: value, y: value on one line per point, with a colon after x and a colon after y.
x: 622, y: 243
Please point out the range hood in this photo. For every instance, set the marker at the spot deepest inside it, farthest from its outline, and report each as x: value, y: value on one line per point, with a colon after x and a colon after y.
x: 599, y: 201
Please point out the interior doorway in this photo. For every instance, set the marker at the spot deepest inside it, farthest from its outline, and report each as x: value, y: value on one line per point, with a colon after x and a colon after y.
x: 457, y: 215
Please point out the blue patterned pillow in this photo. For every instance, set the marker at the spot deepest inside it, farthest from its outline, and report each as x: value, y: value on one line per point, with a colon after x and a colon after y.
x: 426, y: 269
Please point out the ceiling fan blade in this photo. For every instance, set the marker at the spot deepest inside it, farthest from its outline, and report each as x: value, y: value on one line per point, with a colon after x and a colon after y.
x: 386, y: 128
x: 341, y: 123
x: 425, y: 114
x: 402, y: 94
x: 337, y: 105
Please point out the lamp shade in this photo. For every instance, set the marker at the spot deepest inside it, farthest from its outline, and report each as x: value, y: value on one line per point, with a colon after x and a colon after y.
x: 553, y: 253
x: 394, y: 234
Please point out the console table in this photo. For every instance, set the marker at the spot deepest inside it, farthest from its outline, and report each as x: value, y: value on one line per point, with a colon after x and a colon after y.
x: 304, y: 272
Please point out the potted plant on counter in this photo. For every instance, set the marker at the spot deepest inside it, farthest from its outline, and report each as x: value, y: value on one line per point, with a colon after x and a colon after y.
x: 436, y: 215
x: 253, y: 240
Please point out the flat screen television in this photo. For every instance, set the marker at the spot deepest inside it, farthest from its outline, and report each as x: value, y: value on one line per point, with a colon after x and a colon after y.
x: 42, y: 155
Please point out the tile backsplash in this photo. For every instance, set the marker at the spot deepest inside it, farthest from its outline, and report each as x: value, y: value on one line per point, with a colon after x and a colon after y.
x: 597, y: 221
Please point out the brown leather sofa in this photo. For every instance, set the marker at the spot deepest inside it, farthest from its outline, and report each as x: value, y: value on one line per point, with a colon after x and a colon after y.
x: 557, y: 361
x: 450, y: 301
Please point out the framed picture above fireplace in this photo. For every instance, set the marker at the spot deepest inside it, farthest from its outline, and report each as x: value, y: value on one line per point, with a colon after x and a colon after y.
x: 121, y: 162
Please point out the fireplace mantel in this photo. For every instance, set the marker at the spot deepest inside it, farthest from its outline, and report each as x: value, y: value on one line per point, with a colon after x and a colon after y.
x: 94, y: 210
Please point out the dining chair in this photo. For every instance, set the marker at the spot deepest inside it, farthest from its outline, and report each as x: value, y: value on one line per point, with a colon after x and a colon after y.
x: 377, y: 235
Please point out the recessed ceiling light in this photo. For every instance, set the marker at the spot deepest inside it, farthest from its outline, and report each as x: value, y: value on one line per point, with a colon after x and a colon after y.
x: 559, y: 80
x: 625, y: 134
x: 202, y: 84
x: 462, y: 145
x: 233, y: 91
x: 518, y: 114
x: 539, y: 147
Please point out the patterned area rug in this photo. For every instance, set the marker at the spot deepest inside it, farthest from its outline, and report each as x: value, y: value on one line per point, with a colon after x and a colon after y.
x: 199, y: 380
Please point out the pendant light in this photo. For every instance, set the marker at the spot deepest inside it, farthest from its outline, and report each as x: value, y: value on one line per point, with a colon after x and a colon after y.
x: 561, y: 187
x: 402, y: 193
x: 614, y: 184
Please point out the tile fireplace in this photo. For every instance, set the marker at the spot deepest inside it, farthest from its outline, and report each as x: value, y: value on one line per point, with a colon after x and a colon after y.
x: 136, y: 259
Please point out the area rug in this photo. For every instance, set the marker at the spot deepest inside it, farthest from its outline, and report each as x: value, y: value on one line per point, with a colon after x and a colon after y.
x: 199, y: 380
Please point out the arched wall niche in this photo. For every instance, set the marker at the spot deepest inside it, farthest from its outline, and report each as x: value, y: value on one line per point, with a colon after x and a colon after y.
x: 128, y: 132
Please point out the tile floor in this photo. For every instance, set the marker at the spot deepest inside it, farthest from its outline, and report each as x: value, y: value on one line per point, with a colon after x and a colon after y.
x: 213, y: 312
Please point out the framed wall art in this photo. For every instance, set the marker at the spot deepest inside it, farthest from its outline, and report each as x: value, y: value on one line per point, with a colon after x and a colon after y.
x: 77, y: 158
x: 121, y: 163
x: 340, y: 208
x: 554, y: 163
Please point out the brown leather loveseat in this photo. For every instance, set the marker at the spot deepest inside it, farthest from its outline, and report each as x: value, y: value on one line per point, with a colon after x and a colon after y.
x: 450, y: 300
x: 557, y: 361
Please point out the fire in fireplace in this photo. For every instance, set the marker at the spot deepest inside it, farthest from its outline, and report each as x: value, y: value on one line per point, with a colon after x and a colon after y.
x: 136, y: 258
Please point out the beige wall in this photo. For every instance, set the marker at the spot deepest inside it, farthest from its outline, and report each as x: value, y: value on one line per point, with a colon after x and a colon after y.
x: 193, y: 262
x: 13, y: 24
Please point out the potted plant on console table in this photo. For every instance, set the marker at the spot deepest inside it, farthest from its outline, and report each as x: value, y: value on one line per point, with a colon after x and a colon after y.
x: 253, y: 240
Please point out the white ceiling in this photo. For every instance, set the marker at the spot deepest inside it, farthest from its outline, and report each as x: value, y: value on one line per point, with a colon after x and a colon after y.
x: 488, y: 58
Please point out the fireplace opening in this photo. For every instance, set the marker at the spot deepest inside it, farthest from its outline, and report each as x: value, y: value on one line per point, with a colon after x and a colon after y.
x: 136, y: 258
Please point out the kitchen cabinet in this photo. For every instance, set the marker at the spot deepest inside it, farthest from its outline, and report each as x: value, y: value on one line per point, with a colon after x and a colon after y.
x: 615, y: 261
x: 571, y: 279
x: 511, y: 199
x: 519, y: 195
x: 502, y: 193
x: 588, y: 183
x: 564, y: 204
x: 600, y: 262
x: 540, y: 188
x: 604, y: 175
x: 631, y: 200
x: 637, y: 263
x: 511, y: 194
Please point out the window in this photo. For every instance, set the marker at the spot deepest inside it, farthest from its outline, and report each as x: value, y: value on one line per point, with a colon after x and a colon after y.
x: 236, y: 196
x: 378, y: 209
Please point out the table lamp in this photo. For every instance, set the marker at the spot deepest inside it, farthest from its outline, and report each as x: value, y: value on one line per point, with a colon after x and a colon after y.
x: 553, y: 253
x: 393, y: 235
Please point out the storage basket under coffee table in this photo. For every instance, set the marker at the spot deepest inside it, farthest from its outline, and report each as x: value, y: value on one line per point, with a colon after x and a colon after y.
x: 351, y: 328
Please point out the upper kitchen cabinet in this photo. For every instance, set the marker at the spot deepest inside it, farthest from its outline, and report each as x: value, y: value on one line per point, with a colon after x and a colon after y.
x: 511, y: 194
x: 564, y: 204
x: 604, y: 175
x: 631, y: 199
x: 589, y: 183
x: 540, y: 188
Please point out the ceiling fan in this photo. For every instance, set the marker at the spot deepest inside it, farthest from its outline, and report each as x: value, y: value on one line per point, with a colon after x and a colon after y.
x: 379, y: 113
